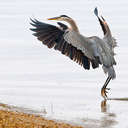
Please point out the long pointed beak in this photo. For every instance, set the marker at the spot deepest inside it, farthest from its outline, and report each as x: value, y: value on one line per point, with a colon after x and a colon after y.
x: 54, y: 18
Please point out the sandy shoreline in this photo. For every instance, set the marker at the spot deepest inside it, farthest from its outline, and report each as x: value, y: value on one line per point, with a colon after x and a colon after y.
x: 15, y: 119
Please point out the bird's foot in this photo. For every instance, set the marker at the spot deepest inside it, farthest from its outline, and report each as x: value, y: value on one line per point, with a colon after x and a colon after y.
x: 104, y: 92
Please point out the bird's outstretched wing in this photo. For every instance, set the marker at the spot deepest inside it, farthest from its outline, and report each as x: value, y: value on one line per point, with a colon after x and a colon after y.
x: 101, y: 21
x: 106, y: 30
x: 53, y: 37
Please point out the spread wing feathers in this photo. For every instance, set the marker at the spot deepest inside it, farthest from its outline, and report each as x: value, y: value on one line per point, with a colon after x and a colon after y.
x: 93, y: 47
x: 53, y: 37
x: 106, y: 30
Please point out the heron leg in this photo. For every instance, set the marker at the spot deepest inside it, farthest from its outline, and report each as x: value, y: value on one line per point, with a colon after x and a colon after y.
x: 104, y: 88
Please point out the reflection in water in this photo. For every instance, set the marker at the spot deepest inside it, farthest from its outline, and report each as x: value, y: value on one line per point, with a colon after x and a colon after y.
x: 108, y: 120
x: 104, y: 106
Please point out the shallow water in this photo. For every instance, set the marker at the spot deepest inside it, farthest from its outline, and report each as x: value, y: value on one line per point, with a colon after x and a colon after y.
x: 35, y: 77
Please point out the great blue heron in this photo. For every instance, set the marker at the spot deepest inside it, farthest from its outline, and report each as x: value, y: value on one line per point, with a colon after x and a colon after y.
x: 83, y: 50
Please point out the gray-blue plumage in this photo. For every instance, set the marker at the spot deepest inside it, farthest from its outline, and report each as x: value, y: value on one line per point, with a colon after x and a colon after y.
x: 81, y: 49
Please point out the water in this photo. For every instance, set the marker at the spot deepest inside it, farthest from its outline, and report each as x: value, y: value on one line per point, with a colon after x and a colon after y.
x: 33, y: 76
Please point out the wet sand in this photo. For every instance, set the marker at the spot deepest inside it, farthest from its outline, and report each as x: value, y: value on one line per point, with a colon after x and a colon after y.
x: 19, y: 117
x: 15, y: 119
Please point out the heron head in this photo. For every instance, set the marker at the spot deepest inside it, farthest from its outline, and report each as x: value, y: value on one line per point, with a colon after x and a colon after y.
x: 61, y: 18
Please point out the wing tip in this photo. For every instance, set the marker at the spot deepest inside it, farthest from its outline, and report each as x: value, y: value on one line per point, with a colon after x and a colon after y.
x: 96, y: 11
x: 33, y: 23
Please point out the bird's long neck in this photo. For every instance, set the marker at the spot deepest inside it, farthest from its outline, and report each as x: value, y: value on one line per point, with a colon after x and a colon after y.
x: 73, y: 25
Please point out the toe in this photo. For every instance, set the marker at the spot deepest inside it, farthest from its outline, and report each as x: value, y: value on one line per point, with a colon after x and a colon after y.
x: 107, y: 88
